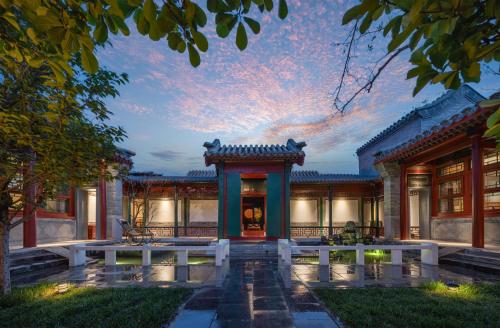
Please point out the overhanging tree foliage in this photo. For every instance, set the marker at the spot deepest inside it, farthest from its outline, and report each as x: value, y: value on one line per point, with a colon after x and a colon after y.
x: 450, y: 41
x: 61, y: 28
x: 52, y: 136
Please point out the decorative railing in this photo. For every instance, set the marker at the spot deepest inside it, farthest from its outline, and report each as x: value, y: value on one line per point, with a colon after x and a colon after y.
x: 182, y: 231
x: 414, y: 232
x: 318, y: 231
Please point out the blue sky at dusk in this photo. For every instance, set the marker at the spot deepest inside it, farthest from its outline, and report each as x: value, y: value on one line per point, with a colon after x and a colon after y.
x: 278, y: 88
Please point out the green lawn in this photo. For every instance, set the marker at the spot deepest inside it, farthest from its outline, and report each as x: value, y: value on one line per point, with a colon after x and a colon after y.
x: 434, y: 305
x: 48, y: 306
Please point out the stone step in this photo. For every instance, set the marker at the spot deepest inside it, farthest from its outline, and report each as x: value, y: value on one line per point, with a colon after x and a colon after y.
x: 475, y: 258
x: 489, y: 268
x: 482, y: 252
x: 32, y: 258
x: 253, y: 250
x: 37, y: 266
x: 31, y: 277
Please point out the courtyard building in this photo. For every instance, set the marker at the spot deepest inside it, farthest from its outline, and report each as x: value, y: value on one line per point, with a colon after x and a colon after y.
x: 431, y: 175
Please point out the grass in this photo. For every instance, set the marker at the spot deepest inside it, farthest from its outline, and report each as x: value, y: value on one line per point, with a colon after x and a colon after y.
x: 46, y: 306
x: 433, y: 305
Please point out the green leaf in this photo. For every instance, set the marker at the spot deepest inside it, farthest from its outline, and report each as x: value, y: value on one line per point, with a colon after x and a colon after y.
x: 194, y: 56
x: 143, y: 25
x: 493, y: 132
x: 451, y: 80
x: 222, y: 30
x: 150, y: 10
x: 89, y: 62
x: 365, y: 24
x: 282, y: 9
x: 423, y: 80
x: 253, y: 24
x: 101, y: 32
x: 440, y: 77
x: 489, y: 103
x: 199, y: 16
x: 121, y: 25
x: 212, y: 6
x: 165, y: 23
x: 351, y: 14
x: 155, y: 32
x: 173, y: 40
x: 42, y: 11
x: 473, y: 72
x: 181, y: 46
x: 493, y: 119
x: 32, y: 35
x: 268, y: 4
x: 241, y: 37
x: 200, y: 40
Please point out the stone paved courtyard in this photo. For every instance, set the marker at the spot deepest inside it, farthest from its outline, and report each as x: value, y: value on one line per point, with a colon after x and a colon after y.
x: 262, y: 293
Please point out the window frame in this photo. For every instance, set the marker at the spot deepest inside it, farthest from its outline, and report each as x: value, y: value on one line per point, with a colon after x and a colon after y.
x: 462, y: 176
x: 492, y: 167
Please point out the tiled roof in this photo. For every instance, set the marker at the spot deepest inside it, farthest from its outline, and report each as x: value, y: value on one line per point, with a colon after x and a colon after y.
x: 201, y: 173
x: 161, y: 179
x: 216, y: 152
x: 467, y: 92
x: 455, y: 125
x: 209, y: 176
x: 316, y: 177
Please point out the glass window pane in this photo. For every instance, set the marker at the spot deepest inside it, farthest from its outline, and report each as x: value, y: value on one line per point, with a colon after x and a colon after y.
x: 253, y: 185
x: 458, y: 204
x: 451, y: 205
x: 491, y: 158
x: 451, y: 187
x: 452, y: 169
x: 492, y: 179
x: 56, y: 205
x: 492, y: 201
x: 443, y: 205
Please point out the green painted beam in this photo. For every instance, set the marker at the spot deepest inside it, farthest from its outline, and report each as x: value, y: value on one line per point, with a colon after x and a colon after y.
x: 233, y: 204
x: 274, y: 205
x: 220, y: 204
x: 288, y: 169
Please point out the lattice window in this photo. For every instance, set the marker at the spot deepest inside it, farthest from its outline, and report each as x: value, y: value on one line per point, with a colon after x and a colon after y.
x: 452, y: 169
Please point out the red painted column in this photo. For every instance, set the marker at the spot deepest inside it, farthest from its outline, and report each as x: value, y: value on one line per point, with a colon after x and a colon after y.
x: 403, y: 204
x: 477, y: 192
x: 29, y: 226
x: 102, y: 206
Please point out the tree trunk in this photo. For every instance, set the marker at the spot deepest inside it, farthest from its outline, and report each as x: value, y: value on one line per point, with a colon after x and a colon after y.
x: 4, y: 258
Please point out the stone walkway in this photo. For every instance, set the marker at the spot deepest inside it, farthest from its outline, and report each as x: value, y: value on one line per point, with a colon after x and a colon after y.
x: 253, y: 295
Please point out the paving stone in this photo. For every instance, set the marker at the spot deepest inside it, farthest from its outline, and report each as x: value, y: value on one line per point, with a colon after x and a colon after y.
x: 190, y: 319
x: 233, y: 312
x: 313, y: 320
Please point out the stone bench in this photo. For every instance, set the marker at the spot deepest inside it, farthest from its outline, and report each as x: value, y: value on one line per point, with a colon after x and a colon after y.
x: 78, y: 252
x: 429, y: 252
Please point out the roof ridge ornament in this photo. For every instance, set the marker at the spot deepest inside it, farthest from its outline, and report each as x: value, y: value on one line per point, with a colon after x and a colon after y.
x: 213, y: 146
x: 293, y: 145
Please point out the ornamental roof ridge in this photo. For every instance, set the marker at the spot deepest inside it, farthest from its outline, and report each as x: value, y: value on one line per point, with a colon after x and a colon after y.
x: 465, y: 91
x: 457, y: 120
x: 291, y: 151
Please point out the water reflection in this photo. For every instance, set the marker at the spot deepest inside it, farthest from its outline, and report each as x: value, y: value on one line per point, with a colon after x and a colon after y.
x: 120, y: 275
x: 351, y: 275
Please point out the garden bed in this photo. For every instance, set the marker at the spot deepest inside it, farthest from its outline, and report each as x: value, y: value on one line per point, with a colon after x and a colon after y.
x: 52, y: 305
x: 433, y: 305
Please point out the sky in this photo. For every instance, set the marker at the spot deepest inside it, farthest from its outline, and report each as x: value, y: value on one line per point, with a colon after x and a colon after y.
x: 280, y: 87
